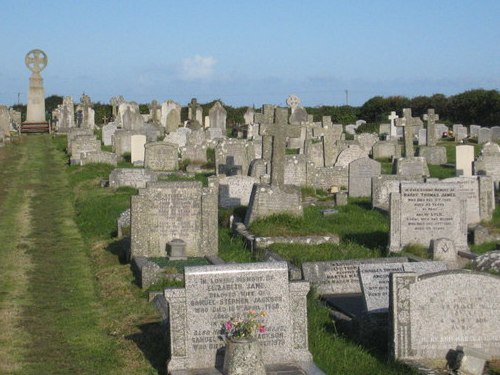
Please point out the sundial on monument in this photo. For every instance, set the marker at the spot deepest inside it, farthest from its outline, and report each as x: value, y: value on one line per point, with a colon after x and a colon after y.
x: 36, y: 60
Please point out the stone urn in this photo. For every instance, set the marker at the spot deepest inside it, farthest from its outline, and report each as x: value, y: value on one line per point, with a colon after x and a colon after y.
x: 243, y: 357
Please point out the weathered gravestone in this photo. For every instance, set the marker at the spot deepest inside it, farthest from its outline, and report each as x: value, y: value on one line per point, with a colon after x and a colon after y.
x: 218, y: 116
x: 67, y: 116
x: 459, y: 132
x: 422, y: 212
x: 347, y: 156
x: 415, y: 166
x: 366, y: 141
x: 295, y: 170
x: 409, y: 125
x: 431, y: 117
x: 107, y: 133
x: 464, y: 160
x: 495, y: 133
x: 161, y: 156
x: 384, y: 185
x: 235, y: 191
x: 277, y: 197
x: 431, y: 314
x: 4, y: 122
x: 488, y: 163
x: 213, y: 294
x: 422, y: 137
x: 484, y: 136
x: 132, y: 177
x: 170, y: 115
x: 375, y: 281
x: 330, y: 133
x: 81, y: 145
x: 361, y: 172
x: 184, y: 210
x: 393, y: 130
x: 99, y: 157
x: 249, y: 116
x: 233, y: 157
x: 386, y: 150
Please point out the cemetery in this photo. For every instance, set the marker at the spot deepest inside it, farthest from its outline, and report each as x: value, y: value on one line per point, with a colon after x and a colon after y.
x: 377, y: 241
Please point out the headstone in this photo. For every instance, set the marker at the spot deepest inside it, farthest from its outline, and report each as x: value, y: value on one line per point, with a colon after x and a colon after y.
x: 195, y: 114
x: 67, y: 117
x: 235, y: 191
x: 433, y: 155
x: 409, y: 124
x: 129, y: 117
x: 484, y: 136
x: 431, y: 117
x: 249, y: 116
x: 474, y: 130
x: 176, y: 249
x: 213, y: 294
x: 375, y: 280
x: 411, y: 167
x: 295, y: 170
x: 459, y: 132
x: 495, y: 133
x: 81, y: 145
x: 346, y: 157
x: 342, y: 276
x: 422, y: 212
x: 137, y: 142
x: 233, y: 157
x: 164, y: 211
x: 87, y: 113
x: 384, y: 130
x: 350, y: 129
x: 361, y: 172
x: 178, y: 137
x: 170, y: 115
x: 366, y: 141
x: 384, y: 185
x: 99, y: 157
x: 488, y: 163
x: 107, y: 133
x: 218, y: 117
x: 330, y: 134
x: 393, y: 130
x: 430, y: 314
x: 464, y: 160
x: 422, y: 137
x: 443, y: 249
x: 155, y: 112
x: 4, y: 122
x: 442, y: 131
x: 132, y: 177
x: 36, y: 60
x: 386, y: 150
x: 161, y: 156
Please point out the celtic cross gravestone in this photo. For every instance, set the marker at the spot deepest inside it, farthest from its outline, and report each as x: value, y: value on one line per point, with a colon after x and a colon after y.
x: 36, y: 60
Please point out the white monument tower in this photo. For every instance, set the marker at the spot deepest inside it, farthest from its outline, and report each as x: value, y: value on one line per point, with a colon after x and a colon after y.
x: 36, y: 60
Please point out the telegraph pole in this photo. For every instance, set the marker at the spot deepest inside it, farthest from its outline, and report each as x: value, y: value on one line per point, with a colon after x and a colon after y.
x: 346, y: 97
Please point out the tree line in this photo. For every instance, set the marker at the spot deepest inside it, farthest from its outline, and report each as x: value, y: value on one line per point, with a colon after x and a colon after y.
x: 481, y: 107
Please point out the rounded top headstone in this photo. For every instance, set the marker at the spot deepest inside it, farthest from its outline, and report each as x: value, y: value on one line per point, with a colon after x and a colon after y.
x: 293, y: 101
x: 36, y: 60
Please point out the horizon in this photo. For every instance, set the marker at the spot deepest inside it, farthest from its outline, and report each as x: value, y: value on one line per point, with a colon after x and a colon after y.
x: 327, y: 53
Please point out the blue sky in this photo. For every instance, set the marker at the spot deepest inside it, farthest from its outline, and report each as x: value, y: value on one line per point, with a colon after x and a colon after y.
x: 251, y: 52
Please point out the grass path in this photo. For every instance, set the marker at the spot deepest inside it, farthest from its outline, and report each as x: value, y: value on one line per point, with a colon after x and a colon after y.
x: 53, y: 317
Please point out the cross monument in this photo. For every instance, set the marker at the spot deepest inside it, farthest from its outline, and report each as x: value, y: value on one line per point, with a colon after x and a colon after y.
x: 431, y: 117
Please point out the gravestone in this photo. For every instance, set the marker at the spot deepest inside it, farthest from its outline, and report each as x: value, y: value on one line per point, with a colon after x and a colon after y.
x: 422, y: 137
x: 137, y: 142
x: 474, y: 130
x: 375, y: 281
x: 67, y: 117
x: 443, y: 249
x: 431, y: 117
x: 347, y: 156
x: 132, y: 177
x: 170, y: 115
x: 115, y: 101
x: 213, y: 294
x: 409, y: 125
x: 178, y: 137
x: 233, y: 157
x: 384, y: 185
x: 431, y: 314
x: 384, y: 131
x: 235, y: 191
x: 411, y: 167
x: 459, y: 132
x: 81, y: 145
x: 469, y: 187
x: 195, y: 114
x: 129, y: 117
x: 350, y: 129
x: 361, y: 172
x: 484, y: 136
x: 155, y: 112
x: 342, y: 276
x: 36, y: 60
x: 495, y: 133
x: 4, y: 122
x: 422, y: 212
x: 295, y: 170
x: 386, y: 150
x: 442, y: 131
x: 218, y: 116
x: 330, y: 134
x: 488, y: 163
x: 87, y: 113
x: 164, y: 211
x: 366, y: 141
x: 161, y: 156
x: 393, y: 130
x: 276, y: 198
x: 99, y: 157
x: 464, y: 160
x: 249, y: 116
x: 433, y: 155
x: 107, y: 133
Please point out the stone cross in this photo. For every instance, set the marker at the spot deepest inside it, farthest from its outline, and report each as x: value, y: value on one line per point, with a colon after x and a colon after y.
x: 267, y: 140
x: 431, y: 119
x: 293, y: 101
x: 330, y: 136
x: 393, y: 116
x: 193, y: 106
x: 36, y: 60
x: 408, y: 123
x: 153, y: 108
x: 279, y: 131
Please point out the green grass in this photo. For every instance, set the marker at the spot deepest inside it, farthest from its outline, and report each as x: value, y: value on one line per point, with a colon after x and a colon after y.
x: 335, y: 354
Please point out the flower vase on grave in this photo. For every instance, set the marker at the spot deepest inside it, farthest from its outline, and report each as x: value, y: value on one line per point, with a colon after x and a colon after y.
x: 243, y: 356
